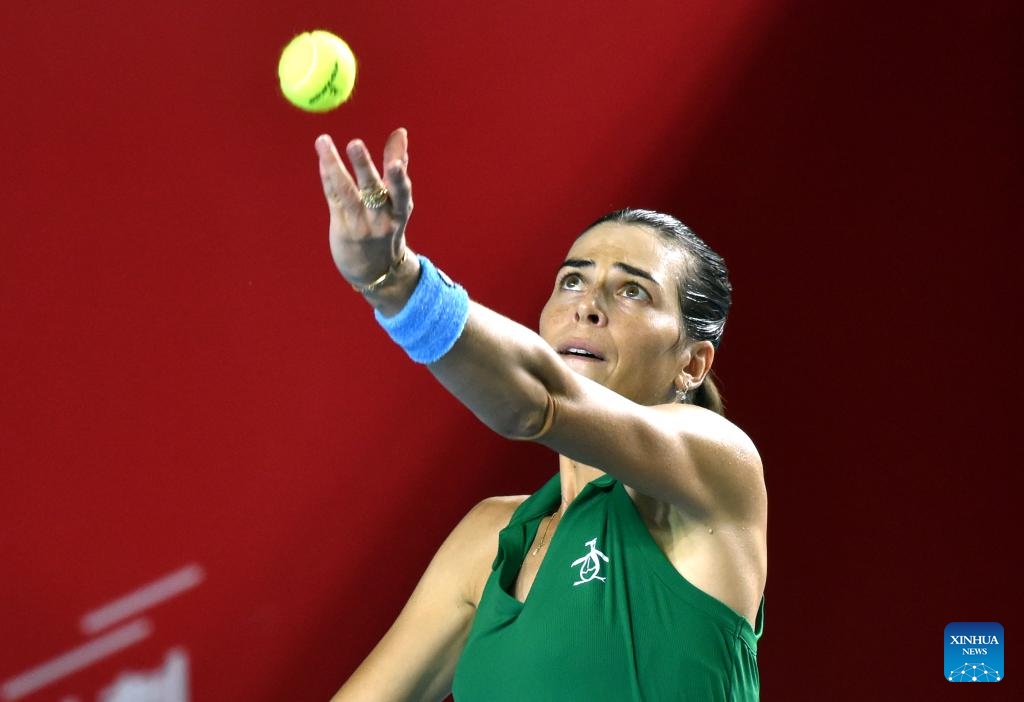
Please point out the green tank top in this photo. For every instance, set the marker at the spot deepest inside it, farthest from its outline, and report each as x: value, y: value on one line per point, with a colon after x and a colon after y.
x: 607, y: 617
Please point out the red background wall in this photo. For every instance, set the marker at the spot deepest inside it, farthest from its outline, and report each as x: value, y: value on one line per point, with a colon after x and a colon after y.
x: 187, y: 383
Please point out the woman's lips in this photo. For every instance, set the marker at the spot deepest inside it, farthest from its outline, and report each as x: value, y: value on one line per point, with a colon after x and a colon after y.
x: 581, y: 351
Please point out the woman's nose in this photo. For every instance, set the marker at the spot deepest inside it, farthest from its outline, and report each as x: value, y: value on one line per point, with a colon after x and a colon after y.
x: 588, y: 311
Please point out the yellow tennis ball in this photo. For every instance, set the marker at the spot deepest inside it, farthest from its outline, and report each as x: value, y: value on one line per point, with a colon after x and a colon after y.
x: 317, y: 71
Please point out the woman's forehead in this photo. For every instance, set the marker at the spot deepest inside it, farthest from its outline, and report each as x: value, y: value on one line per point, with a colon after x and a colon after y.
x: 635, y: 245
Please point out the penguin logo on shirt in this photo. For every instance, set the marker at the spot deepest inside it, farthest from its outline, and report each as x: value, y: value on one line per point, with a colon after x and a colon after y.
x: 589, y: 564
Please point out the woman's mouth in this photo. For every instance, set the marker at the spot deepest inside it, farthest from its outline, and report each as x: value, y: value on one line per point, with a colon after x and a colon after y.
x: 580, y: 352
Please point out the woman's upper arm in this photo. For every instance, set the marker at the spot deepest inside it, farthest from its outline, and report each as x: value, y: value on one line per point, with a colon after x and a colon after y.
x: 680, y: 454
x: 415, y: 660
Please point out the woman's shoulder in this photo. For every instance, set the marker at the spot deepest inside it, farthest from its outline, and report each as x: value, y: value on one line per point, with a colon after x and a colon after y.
x: 478, y: 530
x: 471, y: 547
x: 490, y: 515
x: 716, y: 431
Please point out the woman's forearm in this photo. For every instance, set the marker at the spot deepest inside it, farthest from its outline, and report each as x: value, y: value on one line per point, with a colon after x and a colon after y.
x: 502, y: 371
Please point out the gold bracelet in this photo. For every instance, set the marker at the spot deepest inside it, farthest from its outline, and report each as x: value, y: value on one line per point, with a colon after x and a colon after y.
x: 379, y: 282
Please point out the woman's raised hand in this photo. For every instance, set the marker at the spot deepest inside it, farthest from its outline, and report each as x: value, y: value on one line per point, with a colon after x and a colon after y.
x: 368, y: 214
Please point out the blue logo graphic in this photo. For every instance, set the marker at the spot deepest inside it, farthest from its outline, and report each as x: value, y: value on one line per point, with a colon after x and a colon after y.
x: 974, y: 652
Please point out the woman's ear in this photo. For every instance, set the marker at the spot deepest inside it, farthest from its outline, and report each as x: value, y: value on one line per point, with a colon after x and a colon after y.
x: 695, y: 364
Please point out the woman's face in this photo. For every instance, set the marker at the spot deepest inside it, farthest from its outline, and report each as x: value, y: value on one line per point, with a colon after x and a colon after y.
x: 614, y: 314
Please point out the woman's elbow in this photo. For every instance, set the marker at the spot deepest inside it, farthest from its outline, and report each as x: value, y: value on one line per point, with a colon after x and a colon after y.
x: 528, y: 423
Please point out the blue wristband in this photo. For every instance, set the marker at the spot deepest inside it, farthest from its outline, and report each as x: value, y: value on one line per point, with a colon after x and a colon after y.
x: 433, y: 318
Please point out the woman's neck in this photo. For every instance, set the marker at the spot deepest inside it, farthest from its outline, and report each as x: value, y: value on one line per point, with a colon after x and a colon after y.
x: 573, y: 476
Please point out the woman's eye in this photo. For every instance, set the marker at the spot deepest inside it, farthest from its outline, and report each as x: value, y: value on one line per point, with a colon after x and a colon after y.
x: 571, y: 281
x: 634, y: 292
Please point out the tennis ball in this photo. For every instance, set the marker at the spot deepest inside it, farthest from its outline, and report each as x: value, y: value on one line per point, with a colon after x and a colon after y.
x: 317, y: 71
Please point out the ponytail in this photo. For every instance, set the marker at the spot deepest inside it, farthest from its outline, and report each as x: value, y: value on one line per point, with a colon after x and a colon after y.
x: 708, y: 396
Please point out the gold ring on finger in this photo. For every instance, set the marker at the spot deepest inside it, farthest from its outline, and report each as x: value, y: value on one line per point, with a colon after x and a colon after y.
x: 373, y: 197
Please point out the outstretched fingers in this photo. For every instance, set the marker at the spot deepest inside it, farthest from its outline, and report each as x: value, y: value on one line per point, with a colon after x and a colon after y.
x: 396, y: 148
x: 396, y: 173
x: 400, y: 191
x: 368, y: 212
x: 340, y: 191
x: 365, y: 170
x: 395, y: 182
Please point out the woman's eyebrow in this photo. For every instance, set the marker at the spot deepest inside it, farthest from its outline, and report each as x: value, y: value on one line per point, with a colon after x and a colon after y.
x: 576, y: 263
x: 638, y: 272
x: 587, y: 263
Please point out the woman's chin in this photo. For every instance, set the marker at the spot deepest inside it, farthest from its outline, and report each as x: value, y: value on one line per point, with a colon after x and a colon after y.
x: 590, y: 367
